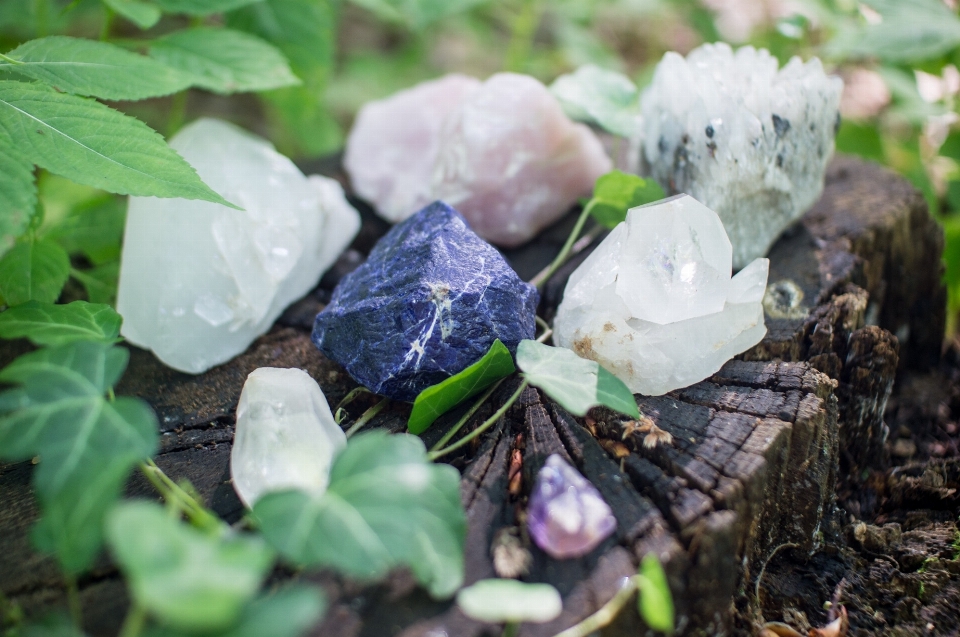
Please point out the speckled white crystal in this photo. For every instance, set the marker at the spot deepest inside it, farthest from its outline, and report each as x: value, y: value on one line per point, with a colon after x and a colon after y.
x: 502, y: 152
x: 655, y: 303
x: 286, y: 437
x: 200, y: 281
x: 749, y: 141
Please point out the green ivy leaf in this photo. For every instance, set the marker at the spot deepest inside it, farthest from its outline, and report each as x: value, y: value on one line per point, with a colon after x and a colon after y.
x: 100, y: 282
x: 18, y: 195
x: 616, y: 193
x: 386, y: 506
x: 93, y: 229
x: 604, y: 98
x: 435, y: 401
x: 201, y: 7
x: 98, y: 69
x: 33, y: 271
x: 92, y: 144
x: 507, y: 600
x: 575, y: 383
x: 655, y: 602
x: 909, y: 32
x: 416, y: 14
x: 187, y: 578
x: 54, y: 325
x: 223, y: 60
x: 142, y: 14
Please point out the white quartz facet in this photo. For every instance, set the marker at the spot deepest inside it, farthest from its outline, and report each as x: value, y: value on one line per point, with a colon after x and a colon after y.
x: 286, y: 437
x: 654, y: 303
x: 200, y: 281
x: 748, y: 140
x: 502, y: 152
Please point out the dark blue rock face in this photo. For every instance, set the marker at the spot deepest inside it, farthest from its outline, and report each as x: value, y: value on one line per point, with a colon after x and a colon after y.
x: 428, y: 302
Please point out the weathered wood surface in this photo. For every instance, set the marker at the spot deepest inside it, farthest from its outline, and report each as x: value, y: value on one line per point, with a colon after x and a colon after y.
x: 752, y: 464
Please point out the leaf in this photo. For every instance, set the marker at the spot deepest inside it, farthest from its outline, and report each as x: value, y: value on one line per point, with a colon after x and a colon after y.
x: 18, y: 195
x: 305, y: 31
x: 201, y: 7
x: 142, y: 14
x: 655, y: 602
x: 98, y: 69
x: 55, y: 325
x: 33, y: 271
x: 92, y: 144
x: 386, y: 506
x: 909, y: 32
x: 604, y: 98
x: 575, y: 383
x: 435, y: 401
x: 100, y: 282
x: 223, y: 60
x: 416, y: 14
x: 93, y: 229
x: 507, y: 600
x: 616, y: 193
x: 187, y: 578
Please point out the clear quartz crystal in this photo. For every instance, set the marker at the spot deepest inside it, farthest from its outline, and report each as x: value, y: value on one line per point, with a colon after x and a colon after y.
x: 749, y: 140
x: 200, y: 281
x: 694, y: 328
x: 286, y: 437
x: 567, y: 517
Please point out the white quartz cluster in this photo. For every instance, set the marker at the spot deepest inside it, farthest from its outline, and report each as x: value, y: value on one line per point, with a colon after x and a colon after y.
x: 747, y: 140
x: 286, y: 437
x: 502, y: 152
x: 200, y: 281
x: 655, y: 303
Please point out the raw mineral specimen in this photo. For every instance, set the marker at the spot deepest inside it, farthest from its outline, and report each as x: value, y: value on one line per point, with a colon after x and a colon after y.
x: 746, y: 140
x: 286, y: 437
x: 502, y: 152
x: 200, y: 281
x: 567, y: 517
x: 655, y: 303
x: 429, y: 301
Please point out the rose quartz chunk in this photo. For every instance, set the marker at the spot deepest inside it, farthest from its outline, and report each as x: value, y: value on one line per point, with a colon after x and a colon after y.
x: 502, y: 152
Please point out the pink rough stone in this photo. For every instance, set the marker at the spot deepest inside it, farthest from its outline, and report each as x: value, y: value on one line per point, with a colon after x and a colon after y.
x: 502, y: 152
x: 567, y: 517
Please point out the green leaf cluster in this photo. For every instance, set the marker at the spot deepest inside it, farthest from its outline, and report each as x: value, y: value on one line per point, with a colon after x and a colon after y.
x: 617, y: 192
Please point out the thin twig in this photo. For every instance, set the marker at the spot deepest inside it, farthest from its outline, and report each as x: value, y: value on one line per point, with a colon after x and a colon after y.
x: 366, y: 416
x: 572, y: 247
x: 489, y: 422
x: 463, y: 420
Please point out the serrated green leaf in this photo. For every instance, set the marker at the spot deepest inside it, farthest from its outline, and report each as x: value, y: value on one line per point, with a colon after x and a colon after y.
x: 223, y: 60
x: 47, y: 324
x: 908, y: 32
x: 18, y: 195
x: 142, y: 14
x: 100, y: 282
x: 386, y: 506
x: 187, y: 578
x: 604, y: 98
x: 437, y: 400
x: 93, y: 228
x: 33, y: 271
x: 416, y: 14
x: 98, y: 69
x: 92, y: 144
x: 617, y: 192
x: 575, y: 383
x: 201, y: 7
x: 507, y: 600
x: 655, y: 602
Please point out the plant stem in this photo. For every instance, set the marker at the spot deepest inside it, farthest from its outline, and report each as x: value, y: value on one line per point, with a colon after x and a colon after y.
x: 510, y: 629
x: 134, y: 621
x: 522, y: 31
x: 547, y: 330
x: 366, y: 417
x: 566, y: 250
x: 108, y: 15
x: 41, y: 10
x: 606, y: 614
x: 73, y: 602
x: 9, y: 59
x: 174, y: 494
x: 470, y: 412
x: 350, y: 397
x: 178, y: 112
x: 489, y: 422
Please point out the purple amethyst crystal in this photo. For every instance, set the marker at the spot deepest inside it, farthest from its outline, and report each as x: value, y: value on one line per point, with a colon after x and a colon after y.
x: 567, y: 516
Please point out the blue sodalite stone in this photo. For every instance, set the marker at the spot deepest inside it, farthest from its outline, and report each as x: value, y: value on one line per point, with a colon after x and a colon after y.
x: 428, y: 302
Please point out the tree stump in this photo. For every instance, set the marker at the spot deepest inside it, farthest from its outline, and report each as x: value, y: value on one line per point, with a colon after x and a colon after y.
x: 854, y: 294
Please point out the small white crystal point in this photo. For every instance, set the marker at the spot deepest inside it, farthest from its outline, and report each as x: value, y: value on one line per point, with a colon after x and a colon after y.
x: 748, y: 140
x: 286, y: 437
x: 200, y: 281
x: 502, y: 152
x: 639, y: 266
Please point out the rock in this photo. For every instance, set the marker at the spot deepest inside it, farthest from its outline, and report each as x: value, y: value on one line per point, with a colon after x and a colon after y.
x: 502, y: 152
x: 428, y: 302
x: 675, y: 316
x: 567, y: 517
x: 746, y: 140
x: 200, y: 281
x: 286, y: 437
